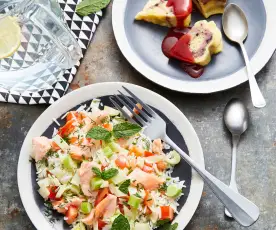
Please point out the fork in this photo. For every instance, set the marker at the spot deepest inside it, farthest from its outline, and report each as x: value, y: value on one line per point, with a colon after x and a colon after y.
x: 243, y: 211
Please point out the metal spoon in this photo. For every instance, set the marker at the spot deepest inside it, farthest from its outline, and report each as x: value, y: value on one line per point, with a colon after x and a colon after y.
x: 235, y: 27
x: 236, y: 119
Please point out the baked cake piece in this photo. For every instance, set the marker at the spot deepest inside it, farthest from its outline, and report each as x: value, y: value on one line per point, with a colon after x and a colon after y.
x: 158, y: 12
x: 210, y: 7
x: 197, y: 46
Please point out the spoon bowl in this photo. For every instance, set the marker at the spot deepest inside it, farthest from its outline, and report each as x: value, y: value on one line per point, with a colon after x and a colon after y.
x: 236, y: 117
x: 234, y: 23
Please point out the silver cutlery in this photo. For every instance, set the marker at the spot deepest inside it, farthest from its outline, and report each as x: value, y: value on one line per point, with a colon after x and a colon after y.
x: 236, y: 120
x: 243, y: 211
x: 235, y: 27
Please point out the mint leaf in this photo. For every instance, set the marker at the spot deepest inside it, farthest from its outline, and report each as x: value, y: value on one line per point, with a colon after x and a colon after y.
x: 125, y: 129
x: 99, y: 133
x: 173, y: 227
x: 124, y: 186
x: 109, y: 173
x: 162, y: 222
x: 166, y: 225
x: 120, y: 223
x: 97, y: 172
x: 87, y: 7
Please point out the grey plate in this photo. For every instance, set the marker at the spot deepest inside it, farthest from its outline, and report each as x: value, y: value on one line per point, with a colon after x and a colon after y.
x: 140, y: 42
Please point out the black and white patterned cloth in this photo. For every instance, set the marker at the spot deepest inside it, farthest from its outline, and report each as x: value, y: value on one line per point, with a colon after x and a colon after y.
x: 83, y: 29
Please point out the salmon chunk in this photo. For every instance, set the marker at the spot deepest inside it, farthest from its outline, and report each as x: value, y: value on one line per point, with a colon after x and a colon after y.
x: 40, y: 146
x: 148, y: 180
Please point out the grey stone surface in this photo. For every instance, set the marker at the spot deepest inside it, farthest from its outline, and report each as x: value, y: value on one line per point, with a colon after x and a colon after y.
x: 256, y: 154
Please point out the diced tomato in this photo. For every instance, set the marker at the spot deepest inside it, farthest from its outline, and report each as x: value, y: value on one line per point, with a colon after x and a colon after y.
x: 148, y: 163
x: 101, y: 224
x: 148, y: 154
x: 73, y: 140
x: 161, y: 165
x: 148, y: 200
x: 101, y: 195
x: 55, y: 147
x: 166, y: 213
x: 147, y: 169
x: 71, y: 214
x: 139, y: 107
x: 76, y: 156
x: 121, y: 161
x: 52, y: 190
x: 68, y: 128
x: 74, y: 115
x: 137, y: 151
x: 108, y: 126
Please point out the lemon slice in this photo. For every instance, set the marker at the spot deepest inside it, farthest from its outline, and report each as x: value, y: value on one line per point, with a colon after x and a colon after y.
x: 10, y: 36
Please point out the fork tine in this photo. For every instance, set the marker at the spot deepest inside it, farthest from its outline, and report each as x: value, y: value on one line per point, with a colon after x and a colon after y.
x: 135, y: 106
x: 127, y: 106
x: 122, y: 111
x: 145, y: 106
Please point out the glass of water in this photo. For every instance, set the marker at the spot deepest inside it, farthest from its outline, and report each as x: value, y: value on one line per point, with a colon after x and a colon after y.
x: 47, y: 44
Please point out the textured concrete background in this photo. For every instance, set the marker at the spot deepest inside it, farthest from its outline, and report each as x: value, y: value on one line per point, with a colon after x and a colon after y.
x: 256, y: 154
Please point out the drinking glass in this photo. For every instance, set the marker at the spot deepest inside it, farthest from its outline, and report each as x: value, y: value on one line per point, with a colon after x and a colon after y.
x: 47, y: 48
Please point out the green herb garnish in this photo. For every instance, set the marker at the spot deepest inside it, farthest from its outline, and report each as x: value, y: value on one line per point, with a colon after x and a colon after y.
x: 125, y: 129
x: 147, y: 143
x: 120, y: 223
x: 166, y: 225
x: 162, y: 222
x: 163, y: 187
x: 99, y: 133
x: 50, y: 153
x: 173, y: 226
x: 109, y: 173
x: 87, y: 7
x: 66, y: 139
x: 124, y: 186
x: 97, y: 172
x: 138, y: 195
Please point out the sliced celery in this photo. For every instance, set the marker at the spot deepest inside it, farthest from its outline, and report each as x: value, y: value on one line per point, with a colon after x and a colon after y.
x: 173, y: 191
x: 96, y: 183
x: 134, y: 201
x: 79, y: 226
x: 174, y: 159
x: 75, y: 189
x: 69, y: 163
x: 107, y: 151
x: 86, y: 207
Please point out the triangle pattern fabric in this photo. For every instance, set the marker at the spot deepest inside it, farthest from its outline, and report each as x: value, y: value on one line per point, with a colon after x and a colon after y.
x: 57, y: 80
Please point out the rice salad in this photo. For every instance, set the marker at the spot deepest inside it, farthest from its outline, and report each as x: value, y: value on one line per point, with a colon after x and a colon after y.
x: 101, y: 172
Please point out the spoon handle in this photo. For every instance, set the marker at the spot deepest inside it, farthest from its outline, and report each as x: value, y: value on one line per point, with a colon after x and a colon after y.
x: 233, y: 183
x: 256, y: 94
